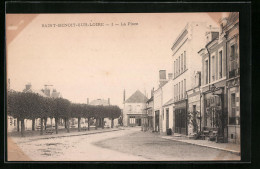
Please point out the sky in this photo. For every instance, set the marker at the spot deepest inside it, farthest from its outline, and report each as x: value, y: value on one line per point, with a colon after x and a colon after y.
x: 94, y: 61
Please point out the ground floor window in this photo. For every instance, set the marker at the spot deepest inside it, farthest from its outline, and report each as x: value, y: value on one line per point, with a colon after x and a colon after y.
x: 234, y: 110
x: 132, y: 119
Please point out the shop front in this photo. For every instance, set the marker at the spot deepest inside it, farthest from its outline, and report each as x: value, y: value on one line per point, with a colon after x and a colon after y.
x: 215, y: 114
x: 134, y: 120
x: 181, y: 117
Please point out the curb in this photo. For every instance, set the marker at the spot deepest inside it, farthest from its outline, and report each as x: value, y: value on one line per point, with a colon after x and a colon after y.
x: 70, y: 135
x: 202, y: 145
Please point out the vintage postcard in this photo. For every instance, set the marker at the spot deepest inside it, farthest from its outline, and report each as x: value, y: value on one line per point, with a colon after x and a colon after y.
x: 123, y: 87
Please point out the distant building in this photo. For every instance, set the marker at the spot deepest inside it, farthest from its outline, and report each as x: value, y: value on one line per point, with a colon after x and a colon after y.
x: 163, y: 103
x: 102, y: 102
x: 194, y: 104
x: 99, y: 102
x: 133, y: 109
x: 148, y: 114
x: 46, y: 92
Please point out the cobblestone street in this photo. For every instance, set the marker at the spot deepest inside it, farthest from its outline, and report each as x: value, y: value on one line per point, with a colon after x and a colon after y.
x: 130, y: 144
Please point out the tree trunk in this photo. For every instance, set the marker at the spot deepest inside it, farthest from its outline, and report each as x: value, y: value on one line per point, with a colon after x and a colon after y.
x: 45, y: 123
x: 56, y: 124
x: 102, y: 123
x: 88, y: 124
x: 65, y: 122
x: 18, y: 124
x: 79, y: 126
x: 22, y: 128
x: 68, y: 125
x: 112, y: 123
x: 41, y: 133
x: 51, y: 122
x: 33, y: 124
x: 96, y: 123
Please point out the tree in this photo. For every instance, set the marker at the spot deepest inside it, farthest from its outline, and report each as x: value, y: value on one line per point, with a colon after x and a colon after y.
x: 77, y: 112
x: 61, y: 109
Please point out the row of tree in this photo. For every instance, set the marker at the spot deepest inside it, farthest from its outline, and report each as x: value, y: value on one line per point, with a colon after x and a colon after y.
x: 32, y: 106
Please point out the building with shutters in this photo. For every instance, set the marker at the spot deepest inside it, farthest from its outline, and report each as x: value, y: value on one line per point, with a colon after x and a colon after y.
x: 134, y: 108
x: 186, y: 61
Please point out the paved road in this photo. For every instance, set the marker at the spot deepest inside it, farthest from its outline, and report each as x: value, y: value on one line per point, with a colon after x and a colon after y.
x: 124, y: 145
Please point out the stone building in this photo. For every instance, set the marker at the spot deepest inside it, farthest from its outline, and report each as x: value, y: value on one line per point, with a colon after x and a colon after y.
x: 230, y: 26
x: 194, y: 105
x: 186, y: 61
x: 134, y: 107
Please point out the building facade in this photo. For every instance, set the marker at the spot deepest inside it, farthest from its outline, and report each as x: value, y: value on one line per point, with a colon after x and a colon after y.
x: 230, y: 27
x: 186, y: 61
x: 134, y: 108
x: 194, y: 105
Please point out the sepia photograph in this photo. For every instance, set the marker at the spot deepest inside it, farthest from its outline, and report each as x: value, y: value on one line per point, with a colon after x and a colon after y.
x: 123, y: 86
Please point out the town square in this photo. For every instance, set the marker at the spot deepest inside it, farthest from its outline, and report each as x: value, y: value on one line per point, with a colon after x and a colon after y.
x: 123, y: 87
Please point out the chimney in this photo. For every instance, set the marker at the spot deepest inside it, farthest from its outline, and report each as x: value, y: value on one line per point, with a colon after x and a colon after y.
x: 124, y: 96
x: 28, y: 86
x: 87, y: 100
x: 169, y: 76
x: 152, y: 92
x: 162, y: 77
x: 108, y: 100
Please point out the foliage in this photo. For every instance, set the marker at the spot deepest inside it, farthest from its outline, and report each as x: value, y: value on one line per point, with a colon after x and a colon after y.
x: 192, y: 119
x: 31, y: 105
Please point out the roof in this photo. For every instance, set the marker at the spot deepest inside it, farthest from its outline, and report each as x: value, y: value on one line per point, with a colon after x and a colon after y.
x: 137, y: 97
x: 98, y: 102
x: 171, y: 101
x: 150, y: 100
x: 34, y: 91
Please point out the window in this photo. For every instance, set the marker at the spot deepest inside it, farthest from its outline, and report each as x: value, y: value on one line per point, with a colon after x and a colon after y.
x: 232, y: 52
x: 181, y: 89
x: 132, y: 120
x: 206, y: 72
x: 194, y: 108
x: 175, y: 92
x: 184, y: 60
x: 177, y: 67
x: 184, y: 88
x: 174, y: 69
x: 181, y: 62
x: 220, y: 64
x: 213, y: 68
x: 232, y: 118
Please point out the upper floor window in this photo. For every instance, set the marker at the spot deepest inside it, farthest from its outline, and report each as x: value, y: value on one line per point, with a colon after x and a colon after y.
x: 213, y: 68
x: 181, y: 62
x: 206, y: 71
x: 220, y: 64
x: 184, y: 54
x: 232, y: 52
x: 184, y: 88
x: 174, y: 69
